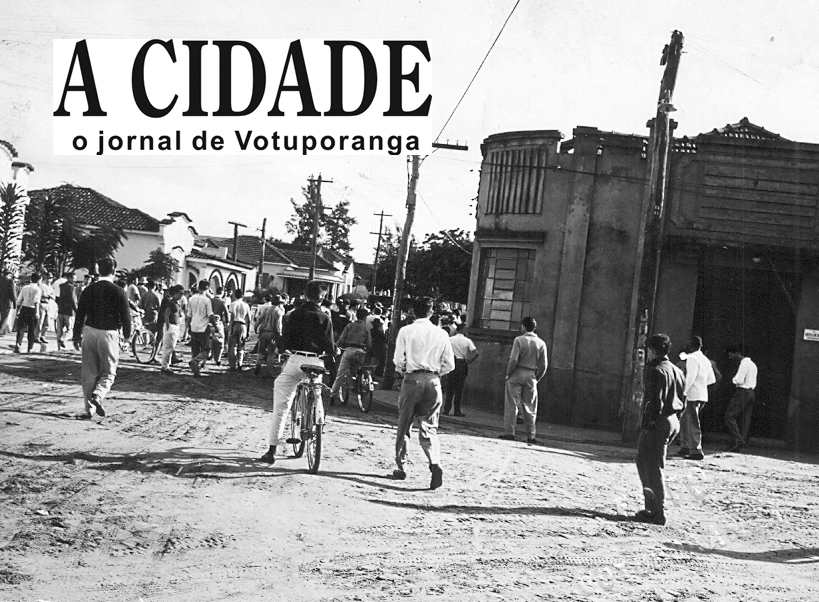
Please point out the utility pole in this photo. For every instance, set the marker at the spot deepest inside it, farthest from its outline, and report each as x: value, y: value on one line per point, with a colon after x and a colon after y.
x: 652, y: 243
x: 378, y: 247
x: 318, y: 209
x: 261, y: 255
x: 236, y: 227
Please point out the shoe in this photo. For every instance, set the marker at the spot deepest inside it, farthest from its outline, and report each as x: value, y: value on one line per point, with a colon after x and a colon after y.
x: 683, y: 451
x: 83, y: 416
x: 97, y: 403
x: 459, y: 414
x: 41, y: 340
x: 694, y: 457
x: 653, y: 519
x: 167, y: 372
x: 269, y: 457
x: 399, y: 475
x: 257, y: 369
x: 218, y: 363
x: 437, y: 476
x: 194, y: 367
x: 532, y: 441
x: 239, y: 368
x: 507, y: 437
x: 176, y: 361
x: 17, y: 349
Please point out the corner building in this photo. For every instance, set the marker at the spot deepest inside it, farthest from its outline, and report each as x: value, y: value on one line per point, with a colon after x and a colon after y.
x: 559, y: 235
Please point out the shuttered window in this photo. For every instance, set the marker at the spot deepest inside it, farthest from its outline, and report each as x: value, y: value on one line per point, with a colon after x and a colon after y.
x: 504, y: 288
x: 516, y: 180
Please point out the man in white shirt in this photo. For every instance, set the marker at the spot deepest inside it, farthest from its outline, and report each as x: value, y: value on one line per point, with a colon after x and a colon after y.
x: 465, y: 353
x: 239, y: 325
x: 199, y: 313
x: 698, y: 375
x: 423, y: 354
x: 28, y: 302
x: 742, y: 403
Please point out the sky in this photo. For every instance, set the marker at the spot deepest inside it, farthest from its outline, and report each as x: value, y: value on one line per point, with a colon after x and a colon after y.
x: 557, y: 65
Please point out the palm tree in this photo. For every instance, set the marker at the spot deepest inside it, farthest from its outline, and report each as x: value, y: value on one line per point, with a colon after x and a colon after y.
x: 12, y: 220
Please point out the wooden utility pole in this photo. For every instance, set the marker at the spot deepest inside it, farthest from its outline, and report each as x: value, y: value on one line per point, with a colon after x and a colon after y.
x: 236, y: 227
x: 650, y: 250
x: 378, y: 247
x: 318, y: 209
x: 261, y: 254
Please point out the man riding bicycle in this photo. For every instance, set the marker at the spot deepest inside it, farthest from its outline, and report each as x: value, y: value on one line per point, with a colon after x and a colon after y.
x: 357, y: 341
x: 307, y: 334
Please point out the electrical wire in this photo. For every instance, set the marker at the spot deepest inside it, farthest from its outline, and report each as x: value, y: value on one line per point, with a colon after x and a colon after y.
x: 443, y: 230
x: 478, y: 71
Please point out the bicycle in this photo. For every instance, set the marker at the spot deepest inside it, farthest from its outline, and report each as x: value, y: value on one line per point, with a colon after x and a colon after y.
x: 363, y: 384
x: 144, y: 342
x: 307, y: 416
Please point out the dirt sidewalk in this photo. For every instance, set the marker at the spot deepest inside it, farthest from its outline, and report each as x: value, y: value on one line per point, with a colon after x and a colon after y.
x: 162, y: 501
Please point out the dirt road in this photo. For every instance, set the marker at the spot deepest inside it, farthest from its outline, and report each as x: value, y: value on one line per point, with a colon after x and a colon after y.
x: 162, y: 501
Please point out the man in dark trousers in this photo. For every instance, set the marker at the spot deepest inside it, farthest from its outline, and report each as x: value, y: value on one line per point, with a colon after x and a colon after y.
x: 103, y: 309
x: 663, y: 402
x: 66, y: 307
x: 741, y: 406
x: 465, y: 353
x: 307, y: 333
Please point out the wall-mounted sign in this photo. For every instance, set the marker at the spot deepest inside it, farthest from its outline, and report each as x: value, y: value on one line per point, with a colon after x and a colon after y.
x: 811, y: 335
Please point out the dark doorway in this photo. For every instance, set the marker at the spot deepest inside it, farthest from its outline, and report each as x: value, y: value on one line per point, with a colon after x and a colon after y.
x: 752, y: 306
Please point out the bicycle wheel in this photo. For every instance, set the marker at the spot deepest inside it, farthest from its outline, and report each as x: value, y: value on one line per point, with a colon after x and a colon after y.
x: 365, y: 390
x: 312, y: 433
x: 296, y: 417
x: 143, y: 345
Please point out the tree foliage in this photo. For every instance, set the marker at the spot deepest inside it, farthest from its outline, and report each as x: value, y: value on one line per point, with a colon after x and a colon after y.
x: 160, y: 267
x: 12, y: 221
x: 54, y: 241
x: 334, y: 226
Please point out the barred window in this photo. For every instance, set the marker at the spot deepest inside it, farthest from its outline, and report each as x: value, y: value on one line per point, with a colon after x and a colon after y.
x: 504, y: 288
x: 516, y: 180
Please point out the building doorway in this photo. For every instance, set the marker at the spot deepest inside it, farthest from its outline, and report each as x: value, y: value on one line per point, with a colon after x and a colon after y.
x: 754, y: 306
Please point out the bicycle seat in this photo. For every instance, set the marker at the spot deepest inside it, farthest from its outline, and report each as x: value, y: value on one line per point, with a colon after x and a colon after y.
x: 312, y: 370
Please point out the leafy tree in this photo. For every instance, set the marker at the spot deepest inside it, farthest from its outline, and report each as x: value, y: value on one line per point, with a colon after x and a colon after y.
x: 440, y: 268
x: 54, y: 241
x: 334, y: 226
x: 160, y: 266
x: 12, y: 220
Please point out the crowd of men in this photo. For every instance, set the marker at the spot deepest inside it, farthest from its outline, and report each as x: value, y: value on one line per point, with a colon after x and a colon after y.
x: 432, y: 355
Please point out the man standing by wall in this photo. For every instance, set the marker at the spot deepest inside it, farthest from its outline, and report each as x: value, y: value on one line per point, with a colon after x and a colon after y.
x: 741, y: 405
x: 465, y: 353
x: 308, y: 333
x: 66, y: 306
x: 698, y: 375
x: 103, y: 309
x: 663, y: 401
x: 29, y: 303
x: 527, y: 365
x: 199, y: 312
x: 8, y: 299
x: 423, y: 354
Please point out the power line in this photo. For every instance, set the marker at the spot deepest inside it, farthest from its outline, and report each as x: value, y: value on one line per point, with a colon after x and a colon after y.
x: 435, y: 217
x: 478, y: 71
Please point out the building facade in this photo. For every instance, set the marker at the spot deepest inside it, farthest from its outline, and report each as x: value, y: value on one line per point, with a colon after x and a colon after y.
x: 559, y: 237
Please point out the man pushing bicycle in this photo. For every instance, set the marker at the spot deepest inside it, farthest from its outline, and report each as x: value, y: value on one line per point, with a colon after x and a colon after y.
x: 307, y: 334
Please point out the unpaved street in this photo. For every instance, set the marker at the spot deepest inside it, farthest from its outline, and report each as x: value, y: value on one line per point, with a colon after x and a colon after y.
x: 162, y: 501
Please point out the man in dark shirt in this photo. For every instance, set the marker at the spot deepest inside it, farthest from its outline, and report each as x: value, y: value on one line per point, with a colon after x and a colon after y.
x: 102, y: 311
x: 66, y: 306
x: 664, y: 400
x: 307, y: 333
x: 8, y: 296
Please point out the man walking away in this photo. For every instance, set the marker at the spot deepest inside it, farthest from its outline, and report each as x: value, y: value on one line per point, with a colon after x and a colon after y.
x: 527, y: 365
x: 66, y: 306
x: 423, y: 354
x: 465, y: 353
x: 29, y: 303
x: 200, y: 311
x: 741, y: 405
x: 308, y: 333
x: 698, y: 376
x: 239, y: 324
x: 169, y: 313
x: 103, y: 309
x: 663, y: 402
x: 356, y: 341
x: 269, y: 328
